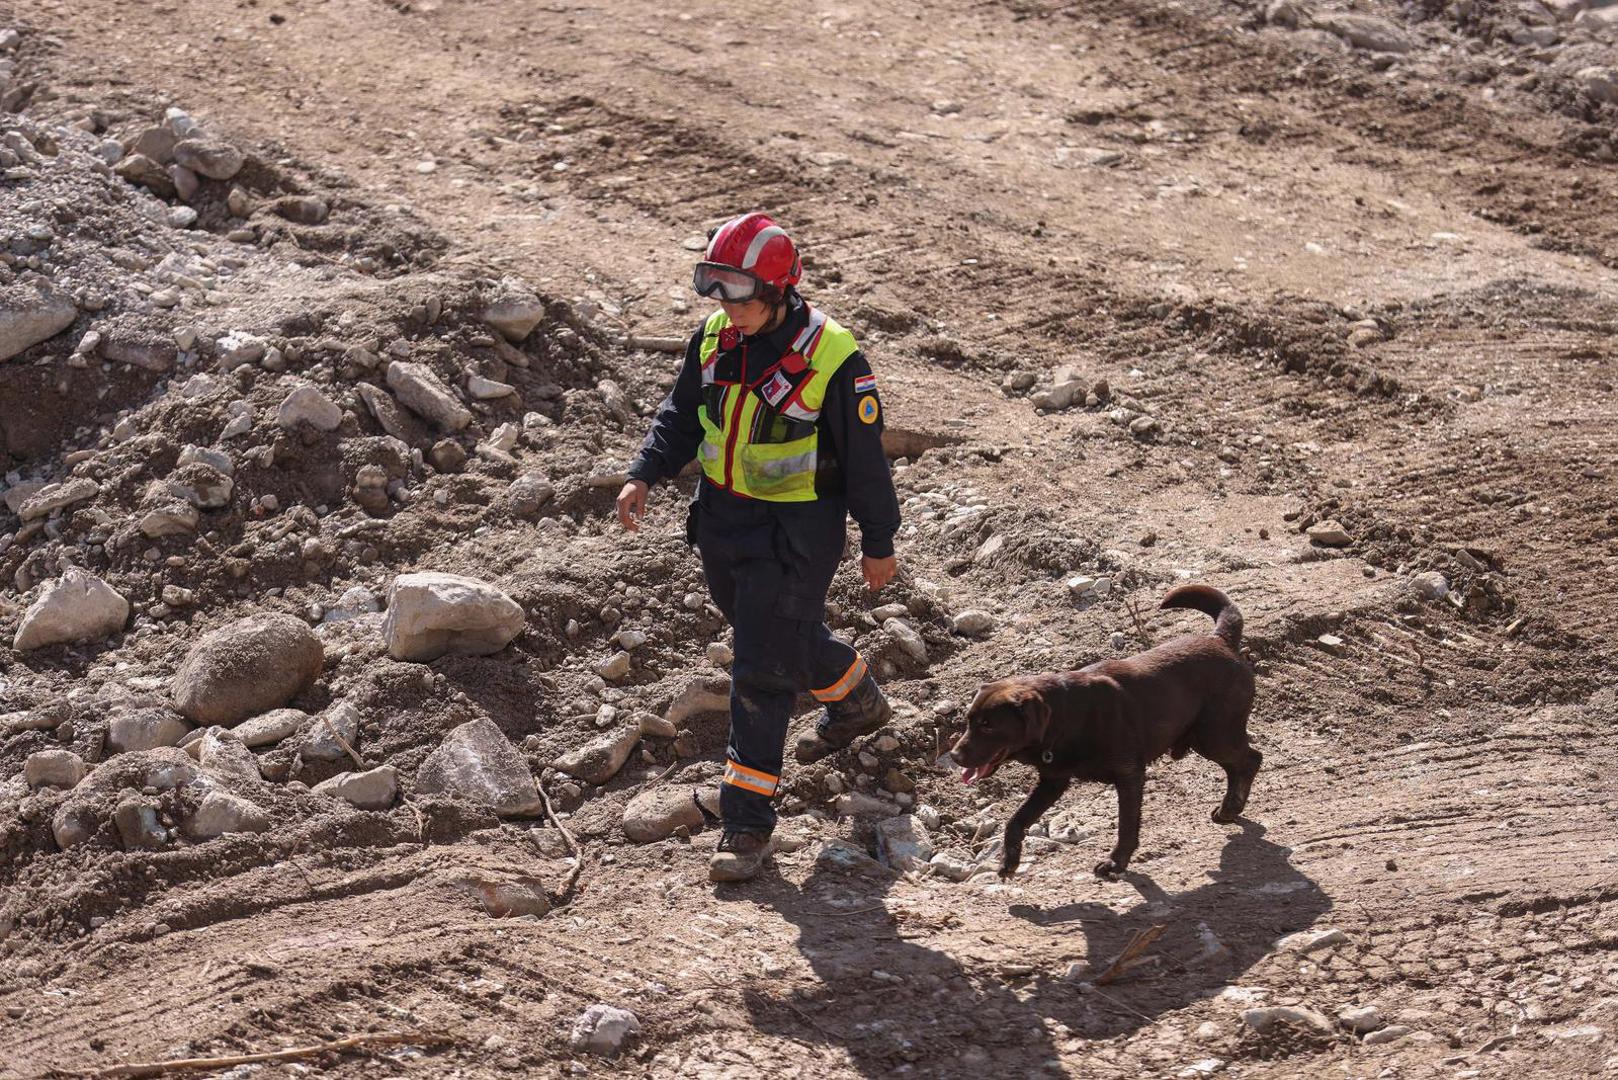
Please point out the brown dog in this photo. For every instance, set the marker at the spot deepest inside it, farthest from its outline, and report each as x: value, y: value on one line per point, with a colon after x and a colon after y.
x: 1110, y: 720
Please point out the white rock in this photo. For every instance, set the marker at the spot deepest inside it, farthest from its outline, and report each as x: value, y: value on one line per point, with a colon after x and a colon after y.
x: 220, y: 812
x: 337, y: 725
x: 703, y: 694
x: 477, y: 762
x: 237, y: 348
x: 18, y: 494
x: 720, y: 654
x: 902, y: 843
x: 1365, y: 32
x: 1361, y: 1020
x: 603, y: 1029
x: 889, y: 611
x: 989, y: 549
x: 207, y: 455
x: 431, y: 614
x: 859, y: 804
x: 78, y: 607
x: 514, y: 311
x: 56, y: 497
x: 629, y: 640
x: 599, y: 760
x: 272, y: 727
x: 1392, y: 1033
x: 907, y: 639
x: 370, y: 790
x: 972, y: 623
x: 175, y: 520
x: 1264, y: 1019
x: 423, y: 393
x: 307, y: 405
x: 1600, y: 84
x: 53, y: 768
x: 1309, y: 941
x: 29, y: 316
x: 487, y: 389
x: 1328, y: 534
x: 1429, y: 585
x: 144, y: 728
x: 223, y: 757
x: 209, y: 157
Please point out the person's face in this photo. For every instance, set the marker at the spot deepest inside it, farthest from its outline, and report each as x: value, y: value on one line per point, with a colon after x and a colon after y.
x: 749, y: 317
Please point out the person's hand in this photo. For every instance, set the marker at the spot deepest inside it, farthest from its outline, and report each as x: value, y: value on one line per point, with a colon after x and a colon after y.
x: 878, y: 572
x: 632, y: 504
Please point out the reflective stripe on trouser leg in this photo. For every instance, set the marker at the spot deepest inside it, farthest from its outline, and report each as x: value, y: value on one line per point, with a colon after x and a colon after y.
x: 754, y: 780
x: 845, y: 685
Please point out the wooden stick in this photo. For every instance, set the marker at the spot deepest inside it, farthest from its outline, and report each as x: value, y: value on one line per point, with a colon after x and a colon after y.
x: 359, y: 762
x: 564, y: 894
x: 1126, y: 959
x: 354, y: 1042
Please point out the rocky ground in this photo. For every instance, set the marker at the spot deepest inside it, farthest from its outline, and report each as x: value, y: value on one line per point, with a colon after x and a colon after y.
x: 326, y: 330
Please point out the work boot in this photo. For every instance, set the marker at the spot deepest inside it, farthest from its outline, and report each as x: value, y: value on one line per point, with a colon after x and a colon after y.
x: 863, y: 711
x: 740, y: 856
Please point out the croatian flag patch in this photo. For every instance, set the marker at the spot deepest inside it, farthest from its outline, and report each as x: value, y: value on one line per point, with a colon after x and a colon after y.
x: 864, y: 384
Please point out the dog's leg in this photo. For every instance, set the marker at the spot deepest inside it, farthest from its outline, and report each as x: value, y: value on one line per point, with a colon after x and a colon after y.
x: 1130, y: 791
x: 1238, y: 784
x: 1041, y: 799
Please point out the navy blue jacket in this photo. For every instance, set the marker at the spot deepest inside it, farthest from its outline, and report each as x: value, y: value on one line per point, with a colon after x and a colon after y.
x: 853, y: 467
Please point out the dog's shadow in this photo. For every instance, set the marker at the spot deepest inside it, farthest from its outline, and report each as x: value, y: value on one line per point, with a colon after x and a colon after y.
x: 895, y: 1006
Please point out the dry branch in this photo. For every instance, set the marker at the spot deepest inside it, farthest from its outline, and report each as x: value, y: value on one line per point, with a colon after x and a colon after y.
x: 565, y: 893
x: 354, y: 1042
x: 1130, y: 956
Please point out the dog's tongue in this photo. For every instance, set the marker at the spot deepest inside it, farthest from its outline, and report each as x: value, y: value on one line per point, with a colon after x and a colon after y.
x: 969, y: 775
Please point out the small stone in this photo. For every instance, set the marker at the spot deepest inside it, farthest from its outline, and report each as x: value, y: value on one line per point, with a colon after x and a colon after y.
x: 514, y: 310
x: 301, y: 209
x: 308, y: 405
x: 1429, y: 585
x: 421, y: 391
x: 78, y: 607
x: 1144, y: 425
x: 604, y: 1029
x: 477, y: 762
x: 145, y: 728
x: 447, y: 456
x: 272, y: 727
x: 1309, y: 941
x: 599, y: 761
x: 371, y: 790
x: 1328, y: 533
x: 149, y: 174
x: 720, y: 654
x: 615, y: 667
x: 221, y: 812
x: 487, y: 389
x: 908, y: 639
x: 174, y: 520
x: 972, y: 623
x: 138, y: 826
x: 1361, y: 1020
x: 1383, y: 1036
x: 703, y: 694
x: 1331, y: 643
x: 53, y: 768
x: 659, y: 813
x: 47, y: 500
x: 1265, y: 1019
x: 180, y: 217
x: 332, y: 735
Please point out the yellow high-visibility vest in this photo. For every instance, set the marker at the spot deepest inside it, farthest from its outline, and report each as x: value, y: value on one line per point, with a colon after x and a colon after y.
x: 759, y: 433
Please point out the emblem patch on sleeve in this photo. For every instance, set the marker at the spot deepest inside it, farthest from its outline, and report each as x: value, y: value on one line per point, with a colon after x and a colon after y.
x: 864, y: 384
x: 869, y: 409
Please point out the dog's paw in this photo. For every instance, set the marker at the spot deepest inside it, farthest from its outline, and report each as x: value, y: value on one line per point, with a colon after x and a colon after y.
x: 1008, y: 866
x: 1224, y: 817
x: 1107, y: 870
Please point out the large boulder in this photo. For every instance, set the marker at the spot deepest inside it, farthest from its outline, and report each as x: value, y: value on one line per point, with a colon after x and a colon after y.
x: 477, y: 762
x: 28, y: 316
x: 247, y: 667
x: 78, y: 607
x: 431, y: 614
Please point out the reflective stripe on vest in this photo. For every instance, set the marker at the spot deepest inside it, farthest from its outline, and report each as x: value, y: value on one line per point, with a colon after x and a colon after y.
x: 775, y: 471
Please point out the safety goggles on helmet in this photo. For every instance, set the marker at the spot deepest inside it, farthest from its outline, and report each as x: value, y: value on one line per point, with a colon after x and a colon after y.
x: 725, y: 282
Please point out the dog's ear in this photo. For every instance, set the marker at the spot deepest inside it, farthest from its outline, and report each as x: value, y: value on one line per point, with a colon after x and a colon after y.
x: 1036, y: 714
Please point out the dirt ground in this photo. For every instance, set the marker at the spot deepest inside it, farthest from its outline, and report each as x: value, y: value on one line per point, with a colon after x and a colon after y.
x: 1376, y: 288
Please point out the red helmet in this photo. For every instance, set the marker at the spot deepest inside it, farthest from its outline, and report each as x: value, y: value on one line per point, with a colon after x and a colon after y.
x: 756, y: 246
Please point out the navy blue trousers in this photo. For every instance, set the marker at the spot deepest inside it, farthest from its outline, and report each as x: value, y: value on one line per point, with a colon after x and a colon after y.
x: 768, y: 567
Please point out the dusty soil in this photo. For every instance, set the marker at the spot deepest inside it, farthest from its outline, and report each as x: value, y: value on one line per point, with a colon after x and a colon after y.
x: 1196, y: 205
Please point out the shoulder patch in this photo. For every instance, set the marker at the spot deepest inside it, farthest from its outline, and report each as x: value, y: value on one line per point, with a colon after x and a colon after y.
x: 869, y: 409
x: 864, y: 384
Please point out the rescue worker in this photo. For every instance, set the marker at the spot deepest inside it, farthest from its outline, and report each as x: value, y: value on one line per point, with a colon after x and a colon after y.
x: 784, y: 412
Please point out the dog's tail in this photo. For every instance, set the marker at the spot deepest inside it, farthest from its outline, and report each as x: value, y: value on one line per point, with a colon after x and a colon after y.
x: 1210, y: 601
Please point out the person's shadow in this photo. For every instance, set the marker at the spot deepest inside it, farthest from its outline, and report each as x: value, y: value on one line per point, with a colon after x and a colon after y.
x: 897, y: 1007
